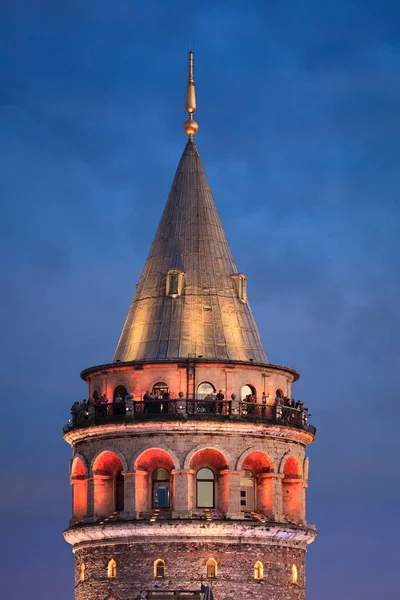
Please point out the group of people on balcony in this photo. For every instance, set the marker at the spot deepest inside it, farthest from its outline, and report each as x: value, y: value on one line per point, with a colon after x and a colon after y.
x: 161, y: 403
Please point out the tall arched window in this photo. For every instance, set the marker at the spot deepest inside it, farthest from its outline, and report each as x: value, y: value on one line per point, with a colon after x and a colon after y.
x: 82, y: 572
x: 211, y: 568
x: 205, y: 480
x: 294, y: 574
x: 174, y: 283
x: 259, y: 571
x: 159, y: 569
x: 111, y: 569
x: 120, y: 390
x: 204, y: 389
x: 247, y: 390
x: 161, y: 488
x: 160, y: 388
x: 247, y: 489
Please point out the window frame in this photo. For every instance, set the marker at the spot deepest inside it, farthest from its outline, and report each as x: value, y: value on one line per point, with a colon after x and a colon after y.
x: 205, y: 481
x: 154, y: 481
x: 177, y: 291
x: 159, y: 562
x: 211, y: 562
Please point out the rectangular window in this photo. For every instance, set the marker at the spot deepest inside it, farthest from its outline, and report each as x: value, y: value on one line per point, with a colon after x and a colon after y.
x: 205, y: 494
x: 173, y: 283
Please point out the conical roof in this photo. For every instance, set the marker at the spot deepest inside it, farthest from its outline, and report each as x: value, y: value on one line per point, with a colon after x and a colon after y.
x: 206, y: 317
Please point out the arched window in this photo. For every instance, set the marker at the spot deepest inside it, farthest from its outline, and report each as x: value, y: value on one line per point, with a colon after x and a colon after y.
x: 159, y: 569
x: 160, y: 388
x: 120, y: 390
x: 211, y: 568
x: 111, y: 569
x: 259, y: 571
x: 247, y: 390
x: 205, y: 480
x: 279, y: 393
x: 247, y: 488
x: 204, y: 389
x: 161, y: 488
x: 294, y: 574
x: 82, y: 572
x: 95, y: 395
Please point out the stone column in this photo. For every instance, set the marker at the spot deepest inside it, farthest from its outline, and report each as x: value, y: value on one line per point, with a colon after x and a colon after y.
x: 129, y: 494
x: 233, y: 510
x: 89, y: 517
x: 265, y: 494
x: 277, y: 496
x: 303, y: 504
x: 181, y: 484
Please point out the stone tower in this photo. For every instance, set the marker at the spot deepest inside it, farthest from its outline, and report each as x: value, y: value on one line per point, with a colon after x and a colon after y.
x: 189, y: 458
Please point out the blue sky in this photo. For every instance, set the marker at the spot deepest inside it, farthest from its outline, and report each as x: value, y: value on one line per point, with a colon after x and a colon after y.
x: 299, y: 134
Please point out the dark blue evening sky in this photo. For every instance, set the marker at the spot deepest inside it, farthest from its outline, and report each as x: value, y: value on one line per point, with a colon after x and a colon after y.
x: 298, y: 106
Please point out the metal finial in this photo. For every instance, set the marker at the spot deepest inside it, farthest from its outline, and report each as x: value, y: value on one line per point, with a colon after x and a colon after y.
x: 190, y: 126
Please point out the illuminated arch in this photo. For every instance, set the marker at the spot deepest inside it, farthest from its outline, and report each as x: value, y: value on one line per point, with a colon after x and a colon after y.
x: 264, y: 461
x: 226, y: 456
x: 117, y: 453
x: 78, y: 481
x: 82, y: 572
x: 296, y: 459
x: 108, y: 483
x: 162, y: 448
x: 292, y: 489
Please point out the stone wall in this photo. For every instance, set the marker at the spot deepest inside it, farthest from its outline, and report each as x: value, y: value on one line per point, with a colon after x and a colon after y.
x: 180, y: 378
x: 186, y: 568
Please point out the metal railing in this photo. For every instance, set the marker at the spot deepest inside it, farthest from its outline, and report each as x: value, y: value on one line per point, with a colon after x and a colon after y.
x: 86, y: 415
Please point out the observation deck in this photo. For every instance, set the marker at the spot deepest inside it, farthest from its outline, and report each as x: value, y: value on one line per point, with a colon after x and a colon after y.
x: 182, y: 409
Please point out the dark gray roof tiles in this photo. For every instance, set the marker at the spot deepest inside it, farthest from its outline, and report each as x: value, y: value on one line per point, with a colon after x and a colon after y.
x: 207, y: 318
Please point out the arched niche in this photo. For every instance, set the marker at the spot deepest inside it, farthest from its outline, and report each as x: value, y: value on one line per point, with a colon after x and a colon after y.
x: 108, y: 484
x: 149, y: 464
x: 292, y: 489
x: 79, y: 488
x: 260, y: 464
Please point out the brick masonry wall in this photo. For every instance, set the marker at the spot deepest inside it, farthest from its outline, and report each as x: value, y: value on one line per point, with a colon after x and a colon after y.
x: 185, y: 565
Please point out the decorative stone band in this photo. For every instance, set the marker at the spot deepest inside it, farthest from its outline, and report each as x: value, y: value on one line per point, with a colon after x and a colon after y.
x: 226, y: 532
x: 192, y: 427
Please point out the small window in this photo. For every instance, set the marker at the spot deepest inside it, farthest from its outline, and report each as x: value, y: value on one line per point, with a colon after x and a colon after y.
x: 294, y: 574
x: 161, y: 488
x: 82, y: 572
x: 112, y: 569
x: 247, y: 489
x: 241, y: 286
x: 258, y: 571
x: 159, y: 569
x: 211, y: 568
x: 174, y: 283
x: 205, y: 488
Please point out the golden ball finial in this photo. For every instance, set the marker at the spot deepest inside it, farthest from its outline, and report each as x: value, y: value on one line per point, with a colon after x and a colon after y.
x: 190, y: 127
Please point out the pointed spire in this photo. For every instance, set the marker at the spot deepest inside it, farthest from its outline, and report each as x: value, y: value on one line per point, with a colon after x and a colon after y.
x: 190, y: 126
x: 190, y: 300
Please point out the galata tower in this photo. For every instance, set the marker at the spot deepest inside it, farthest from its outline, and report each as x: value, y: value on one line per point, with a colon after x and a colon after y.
x: 189, y: 458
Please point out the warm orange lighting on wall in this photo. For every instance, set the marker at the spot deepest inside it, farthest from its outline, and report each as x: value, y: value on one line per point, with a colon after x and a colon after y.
x: 112, y: 569
x: 294, y: 574
x: 211, y: 568
x: 258, y: 571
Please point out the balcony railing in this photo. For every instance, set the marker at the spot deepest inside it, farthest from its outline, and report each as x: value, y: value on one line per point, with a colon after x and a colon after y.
x: 86, y: 415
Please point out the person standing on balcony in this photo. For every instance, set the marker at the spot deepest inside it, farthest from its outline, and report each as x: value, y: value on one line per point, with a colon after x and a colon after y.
x: 220, y: 399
